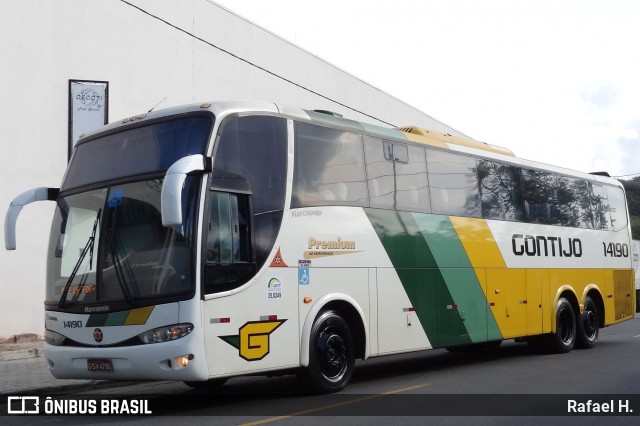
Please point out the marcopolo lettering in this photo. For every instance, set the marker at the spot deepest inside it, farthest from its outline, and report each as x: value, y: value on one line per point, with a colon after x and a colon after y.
x: 538, y: 245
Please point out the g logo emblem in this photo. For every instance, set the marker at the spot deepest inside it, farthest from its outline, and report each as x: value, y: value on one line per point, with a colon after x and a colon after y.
x: 97, y: 335
x: 253, y: 341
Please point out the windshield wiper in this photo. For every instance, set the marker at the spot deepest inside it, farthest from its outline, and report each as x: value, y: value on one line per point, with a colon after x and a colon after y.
x: 88, y: 248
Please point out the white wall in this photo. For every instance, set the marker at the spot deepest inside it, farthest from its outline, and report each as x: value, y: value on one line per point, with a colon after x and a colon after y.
x: 45, y: 43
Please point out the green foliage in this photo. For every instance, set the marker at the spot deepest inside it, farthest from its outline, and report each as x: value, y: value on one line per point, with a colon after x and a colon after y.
x: 632, y: 188
x: 635, y: 227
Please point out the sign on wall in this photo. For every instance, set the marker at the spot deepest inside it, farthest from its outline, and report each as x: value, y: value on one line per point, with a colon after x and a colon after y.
x: 88, y: 108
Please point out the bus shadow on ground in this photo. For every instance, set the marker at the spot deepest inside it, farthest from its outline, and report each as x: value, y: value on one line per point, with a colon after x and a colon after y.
x: 371, y: 370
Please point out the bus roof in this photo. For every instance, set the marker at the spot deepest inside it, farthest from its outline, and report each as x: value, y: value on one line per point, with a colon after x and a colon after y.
x: 403, y: 134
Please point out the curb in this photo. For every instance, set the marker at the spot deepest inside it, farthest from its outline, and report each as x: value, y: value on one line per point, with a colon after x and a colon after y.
x: 78, y: 386
x: 21, y: 354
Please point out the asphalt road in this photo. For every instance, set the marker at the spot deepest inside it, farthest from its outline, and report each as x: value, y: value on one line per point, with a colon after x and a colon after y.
x: 487, y: 388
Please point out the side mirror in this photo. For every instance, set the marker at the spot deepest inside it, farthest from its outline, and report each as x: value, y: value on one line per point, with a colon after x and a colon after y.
x: 171, y: 195
x: 27, y: 197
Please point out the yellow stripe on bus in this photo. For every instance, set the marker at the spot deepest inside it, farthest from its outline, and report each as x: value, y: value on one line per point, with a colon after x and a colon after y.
x: 478, y: 242
x: 523, y: 300
x: 139, y: 316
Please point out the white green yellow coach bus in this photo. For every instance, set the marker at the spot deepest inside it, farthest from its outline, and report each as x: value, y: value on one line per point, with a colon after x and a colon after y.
x: 226, y: 239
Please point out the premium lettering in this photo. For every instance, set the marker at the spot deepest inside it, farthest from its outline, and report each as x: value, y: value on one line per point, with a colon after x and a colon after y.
x: 331, y: 245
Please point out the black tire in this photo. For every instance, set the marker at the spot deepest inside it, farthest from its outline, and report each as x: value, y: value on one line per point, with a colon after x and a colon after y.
x: 588, y: 325
x: 563, y: 340
x: 209, y: 385
x: 331, y: 354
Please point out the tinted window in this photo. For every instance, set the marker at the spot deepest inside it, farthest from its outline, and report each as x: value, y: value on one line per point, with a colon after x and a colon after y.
x: 396, y: 175
x: 454, y: 184
x: 254, y: 148
x: 574, y: 202
x: 329, y: 168
x: 561, y: 200
x: 500, y: 191
x: 617, y: 208
x: 397, y: 152
x: 540, y: 200
x: 141, y: 150
x: 599, y: 215
x: 229, y: 256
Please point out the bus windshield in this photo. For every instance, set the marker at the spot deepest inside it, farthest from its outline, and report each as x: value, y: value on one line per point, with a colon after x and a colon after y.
x: 137, y: 151
x: 109, y: 245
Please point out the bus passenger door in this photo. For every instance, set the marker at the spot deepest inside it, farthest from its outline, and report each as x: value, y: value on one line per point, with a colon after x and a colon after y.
x: 250, y: 318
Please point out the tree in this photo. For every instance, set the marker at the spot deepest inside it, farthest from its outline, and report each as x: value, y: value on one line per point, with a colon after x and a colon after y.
x: 632, y: 188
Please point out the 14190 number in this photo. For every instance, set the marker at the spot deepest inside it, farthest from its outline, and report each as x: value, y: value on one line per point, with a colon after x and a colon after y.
x: 615, y: 249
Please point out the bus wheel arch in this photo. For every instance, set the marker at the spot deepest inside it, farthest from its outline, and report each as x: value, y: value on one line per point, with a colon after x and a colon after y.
x: 333, y: 336
x: 348, y: 309
x: 331, y: 354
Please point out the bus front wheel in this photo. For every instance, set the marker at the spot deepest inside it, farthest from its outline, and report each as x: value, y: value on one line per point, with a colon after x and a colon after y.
x: 331, y: 354
x: 588, y: 325
x: 563, y: 340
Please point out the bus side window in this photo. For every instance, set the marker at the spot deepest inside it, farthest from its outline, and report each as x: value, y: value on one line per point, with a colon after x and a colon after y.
x: 329, y: 168
x: 500, y: 191
x: 599, y: 206
x: 255, y: 148
x: 571, y: 205
x: 539, y: 194
x: 454, y: 184
x: 396, y: 175
x: 229, y: 256
x: 617, y: 208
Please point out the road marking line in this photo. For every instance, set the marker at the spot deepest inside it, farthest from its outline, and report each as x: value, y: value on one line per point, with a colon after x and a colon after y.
x: 337, y: 404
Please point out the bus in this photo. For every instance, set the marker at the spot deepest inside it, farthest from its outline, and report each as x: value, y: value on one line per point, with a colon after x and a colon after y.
x: 636, y: 261
x: 210, y: 241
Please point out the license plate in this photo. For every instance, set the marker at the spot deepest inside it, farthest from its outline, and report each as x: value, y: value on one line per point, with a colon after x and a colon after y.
x: 99, y: 365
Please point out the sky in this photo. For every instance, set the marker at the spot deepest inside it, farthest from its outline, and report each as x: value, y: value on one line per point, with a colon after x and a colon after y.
x: 554, y: 81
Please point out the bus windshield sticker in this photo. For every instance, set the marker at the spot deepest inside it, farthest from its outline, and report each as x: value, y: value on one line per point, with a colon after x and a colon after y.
x: 115, y: 199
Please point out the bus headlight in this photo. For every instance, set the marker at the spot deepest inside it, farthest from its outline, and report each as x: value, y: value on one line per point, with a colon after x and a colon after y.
x: 165, y: 334
x: 53, y: 338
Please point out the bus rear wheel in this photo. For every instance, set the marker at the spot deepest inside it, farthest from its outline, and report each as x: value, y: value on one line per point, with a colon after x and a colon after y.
x: 588, y: 325
x: 331, y: 354
x: 563, y: 340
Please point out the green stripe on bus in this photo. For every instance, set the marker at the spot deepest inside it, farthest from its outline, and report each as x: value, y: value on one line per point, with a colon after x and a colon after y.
x: 459, y: 276
x: 420, y: 275
x: 140, y: 316
x: 116, y: 318
x: 97, y: 320
x: 437, y: 275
